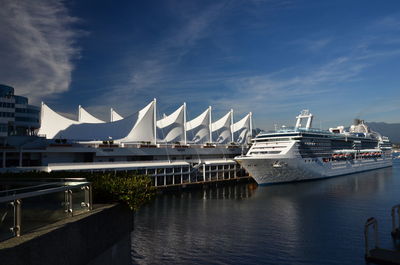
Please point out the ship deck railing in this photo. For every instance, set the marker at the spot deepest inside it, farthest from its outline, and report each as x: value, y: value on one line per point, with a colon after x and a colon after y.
x: 338, y: 151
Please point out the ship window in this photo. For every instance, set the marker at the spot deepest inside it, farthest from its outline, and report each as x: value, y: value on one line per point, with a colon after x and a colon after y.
x: 274, y: 152
x: 273, y: 140
x: 268, y: 147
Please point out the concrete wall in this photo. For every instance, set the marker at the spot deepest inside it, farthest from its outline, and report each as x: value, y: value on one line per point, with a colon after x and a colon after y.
x: 74, y: 241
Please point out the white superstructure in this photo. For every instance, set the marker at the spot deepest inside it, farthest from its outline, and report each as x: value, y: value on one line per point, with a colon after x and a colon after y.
x: 304, y: 153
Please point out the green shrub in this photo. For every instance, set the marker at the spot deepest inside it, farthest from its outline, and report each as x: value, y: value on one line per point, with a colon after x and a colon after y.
x: 133, y: 190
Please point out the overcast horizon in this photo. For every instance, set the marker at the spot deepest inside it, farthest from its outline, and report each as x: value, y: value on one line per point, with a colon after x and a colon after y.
x: 339, y: 59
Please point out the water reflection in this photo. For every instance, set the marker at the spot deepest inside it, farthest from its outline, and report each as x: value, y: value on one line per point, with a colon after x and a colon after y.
x: 238, y: 192
x: 311, y: 222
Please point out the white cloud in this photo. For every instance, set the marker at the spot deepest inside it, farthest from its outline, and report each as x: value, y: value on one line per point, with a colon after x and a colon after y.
x: 285, y: 88
x: 158, y: 62
x: 155, y: 69
x: 313, y: 45
x: 37, y: 46
x: 391, y: 22
x: 266, y: 94
x: 156, y: 73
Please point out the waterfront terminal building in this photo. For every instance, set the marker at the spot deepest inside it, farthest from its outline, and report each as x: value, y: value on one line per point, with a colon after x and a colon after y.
x: 171, y: 149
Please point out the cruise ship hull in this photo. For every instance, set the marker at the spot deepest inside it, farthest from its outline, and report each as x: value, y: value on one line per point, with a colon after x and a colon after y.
x: 269, y: 171
x: 304, y: 153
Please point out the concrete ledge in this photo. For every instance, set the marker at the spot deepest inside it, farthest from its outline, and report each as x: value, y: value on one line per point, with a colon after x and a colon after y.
x: 72, y: 241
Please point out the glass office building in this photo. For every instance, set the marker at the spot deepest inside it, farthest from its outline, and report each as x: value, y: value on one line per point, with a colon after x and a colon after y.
x: 17, y: 117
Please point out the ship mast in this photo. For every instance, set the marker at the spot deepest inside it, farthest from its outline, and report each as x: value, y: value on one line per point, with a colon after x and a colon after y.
x: 305, y: 114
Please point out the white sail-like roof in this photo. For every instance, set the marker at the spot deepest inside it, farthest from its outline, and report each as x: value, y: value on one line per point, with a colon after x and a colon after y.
x: 52, y: 122
x: 221, y: 129
x: 144, y: 128
x: 115, y: 116
x: 198, y: 129
x: 99, y: 131
x: 241, y: 129
x: 171, y: 128
x: 86, y: 117
x: 139, y: 127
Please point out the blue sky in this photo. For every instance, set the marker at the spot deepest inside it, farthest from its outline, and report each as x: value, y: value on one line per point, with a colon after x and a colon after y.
x: 340, y: 59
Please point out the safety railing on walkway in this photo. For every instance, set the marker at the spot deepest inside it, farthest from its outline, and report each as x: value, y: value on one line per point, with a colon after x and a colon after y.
x: 395, y: 227
x: 371, y: 222
x: 28, y: 208
x: 377, y: 254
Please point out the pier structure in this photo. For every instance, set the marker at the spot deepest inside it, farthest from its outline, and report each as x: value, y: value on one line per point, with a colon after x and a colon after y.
x: 171, y: 149
x: 162, y: 173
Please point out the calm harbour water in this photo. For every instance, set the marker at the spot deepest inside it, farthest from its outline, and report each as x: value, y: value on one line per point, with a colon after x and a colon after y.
x: 315, y: 222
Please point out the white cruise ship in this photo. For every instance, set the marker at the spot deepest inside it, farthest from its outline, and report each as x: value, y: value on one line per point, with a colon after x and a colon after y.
x: 303, y: 153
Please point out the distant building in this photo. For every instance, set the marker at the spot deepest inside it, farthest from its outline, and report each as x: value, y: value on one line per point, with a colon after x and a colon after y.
x: 17, y: 117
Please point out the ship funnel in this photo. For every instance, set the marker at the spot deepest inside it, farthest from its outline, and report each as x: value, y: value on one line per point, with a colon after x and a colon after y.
x: 304, y: 115
x: 358, y: 121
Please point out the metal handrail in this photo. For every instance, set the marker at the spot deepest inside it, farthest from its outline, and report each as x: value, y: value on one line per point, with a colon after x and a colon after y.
x: 32, y: 182
x: 371, y: 221
x: 395, y: 228
x: 16, y: 200
x: 26, y: 188
x: 42, y: 192
x: 36, y: 180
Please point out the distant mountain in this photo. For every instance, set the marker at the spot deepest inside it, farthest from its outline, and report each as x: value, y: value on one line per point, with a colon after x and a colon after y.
x: 391, y: 130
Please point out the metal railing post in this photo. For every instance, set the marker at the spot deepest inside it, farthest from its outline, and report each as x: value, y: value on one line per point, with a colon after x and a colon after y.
x: 88, y: 196
x: 70, y: 210
x: 371, y: 221
x: 398, y: 216
x: 395, y: 229
x: 393, y: 214
x: 16, y: 229
x: 68, y: 201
